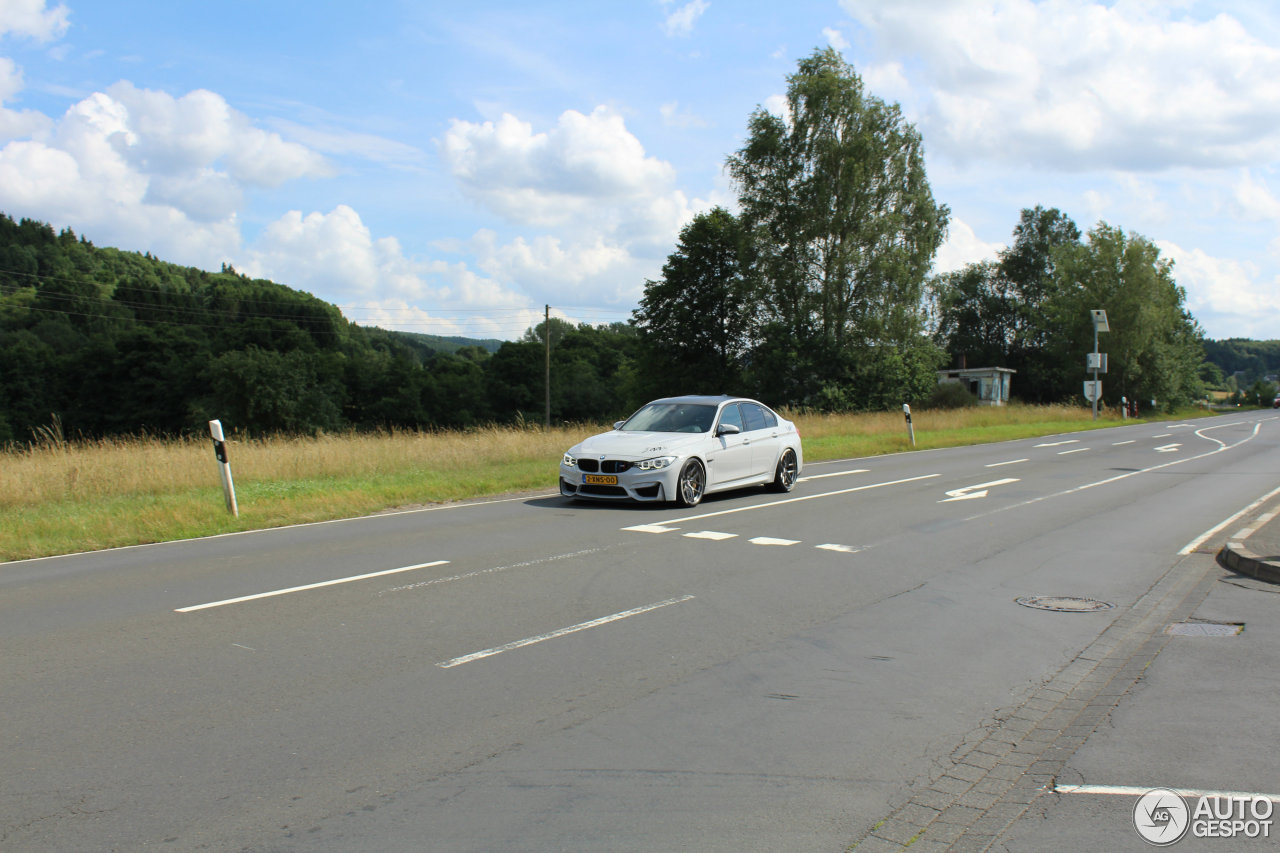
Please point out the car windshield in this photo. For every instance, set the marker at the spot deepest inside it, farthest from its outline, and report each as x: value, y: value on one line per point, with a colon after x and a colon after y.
x: 671, y: 417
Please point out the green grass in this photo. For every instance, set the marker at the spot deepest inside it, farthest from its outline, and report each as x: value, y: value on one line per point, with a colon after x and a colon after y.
x: 59, y: 497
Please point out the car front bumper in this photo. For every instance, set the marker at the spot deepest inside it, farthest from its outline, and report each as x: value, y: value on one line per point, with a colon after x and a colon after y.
x: 632, y: 485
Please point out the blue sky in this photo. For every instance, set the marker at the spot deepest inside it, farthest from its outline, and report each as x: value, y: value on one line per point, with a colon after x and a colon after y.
x: 451, y: 168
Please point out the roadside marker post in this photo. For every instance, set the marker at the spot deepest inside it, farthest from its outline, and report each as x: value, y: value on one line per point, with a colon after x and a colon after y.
x: 224, y: 467
x: 911, y: 430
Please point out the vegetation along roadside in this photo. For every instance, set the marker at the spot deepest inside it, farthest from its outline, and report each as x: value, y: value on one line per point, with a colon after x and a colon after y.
x: 59, y: 496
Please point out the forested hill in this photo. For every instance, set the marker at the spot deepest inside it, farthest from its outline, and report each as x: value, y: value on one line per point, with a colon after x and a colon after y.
x: 100, y: 342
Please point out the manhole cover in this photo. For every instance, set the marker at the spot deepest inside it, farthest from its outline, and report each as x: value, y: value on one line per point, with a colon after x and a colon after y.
x: 1204, y: 629
x: 1063, y: 603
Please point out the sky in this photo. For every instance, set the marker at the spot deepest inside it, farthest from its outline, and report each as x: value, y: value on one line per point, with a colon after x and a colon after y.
x: 453, y: 168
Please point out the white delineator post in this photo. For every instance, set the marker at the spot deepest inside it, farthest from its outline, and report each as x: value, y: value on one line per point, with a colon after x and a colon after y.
x: 224, y: 467
x: 911, y: 431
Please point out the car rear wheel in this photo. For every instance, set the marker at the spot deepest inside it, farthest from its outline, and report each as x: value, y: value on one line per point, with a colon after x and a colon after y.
x: 692, y: 483
x: 784, y: 480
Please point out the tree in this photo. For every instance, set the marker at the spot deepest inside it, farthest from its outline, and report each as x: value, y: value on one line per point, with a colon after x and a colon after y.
x: 699, y: 322
x: 996, y: 314
x: 840, y: 211
x: 1154, y: 348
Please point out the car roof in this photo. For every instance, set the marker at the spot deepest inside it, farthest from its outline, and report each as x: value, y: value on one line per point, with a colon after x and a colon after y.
x: 700, y: 399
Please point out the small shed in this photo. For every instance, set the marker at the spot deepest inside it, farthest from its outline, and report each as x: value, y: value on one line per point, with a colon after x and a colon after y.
x: 989, y: 384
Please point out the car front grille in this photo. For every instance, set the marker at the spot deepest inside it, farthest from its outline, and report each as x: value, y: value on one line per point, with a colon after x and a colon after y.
x: 608, y: 466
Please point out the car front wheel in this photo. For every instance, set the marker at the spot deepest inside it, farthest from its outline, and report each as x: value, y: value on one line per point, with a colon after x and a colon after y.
x: 692, y: 483
x: 784, y: 480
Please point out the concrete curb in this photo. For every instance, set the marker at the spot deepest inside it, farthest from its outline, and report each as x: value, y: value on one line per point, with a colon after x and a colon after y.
x: 1236, y: 555
x: 1238, y: 558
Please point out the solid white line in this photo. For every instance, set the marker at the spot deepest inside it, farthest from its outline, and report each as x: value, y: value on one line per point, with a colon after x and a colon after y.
x: 1010, y: 462
x: 1137, y: 791
x: 772, y: 504
x: 573, y: 629
x: 1059, y: 443
x: 244, y: 598
x: 1199, y: 540
x: 836, y: 474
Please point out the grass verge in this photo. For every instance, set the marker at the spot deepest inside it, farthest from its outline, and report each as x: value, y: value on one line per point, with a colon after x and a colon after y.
x: 59, y: 497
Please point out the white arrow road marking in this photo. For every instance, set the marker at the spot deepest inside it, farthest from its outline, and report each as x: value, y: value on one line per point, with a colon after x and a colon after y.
x: 971, y: 492
x: 1059, y: 443
x: 1168, y: 448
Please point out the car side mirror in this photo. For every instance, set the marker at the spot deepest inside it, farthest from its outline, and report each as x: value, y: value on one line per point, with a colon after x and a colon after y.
x: 618, y: 424
x: 728, y: 429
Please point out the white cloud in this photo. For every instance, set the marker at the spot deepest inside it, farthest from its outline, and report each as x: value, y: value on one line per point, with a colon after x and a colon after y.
x: 30, y: 18
x: 681, y: 21
x: 16, y: 124
x: 1254, y: 200
x: 1230, y: 298
x: 144, y: 169
x: 1133, y: 85
x: 673, y: 117
x: 962, y: 247
x: 835, y: 38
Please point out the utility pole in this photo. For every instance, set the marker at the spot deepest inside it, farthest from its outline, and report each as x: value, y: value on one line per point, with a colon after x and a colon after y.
x: 546, y: 333
x: 1096, y: 360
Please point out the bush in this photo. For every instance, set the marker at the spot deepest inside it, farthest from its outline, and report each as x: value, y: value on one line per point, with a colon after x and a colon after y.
x: 949, y: 395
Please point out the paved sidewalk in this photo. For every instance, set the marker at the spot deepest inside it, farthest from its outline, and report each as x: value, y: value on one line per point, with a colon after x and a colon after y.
x: 1254, y: 549
x: 992, y: 784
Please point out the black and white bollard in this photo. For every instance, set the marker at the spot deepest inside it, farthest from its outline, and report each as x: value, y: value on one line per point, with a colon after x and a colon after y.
x: 911, y: 430
x: 224, y: 467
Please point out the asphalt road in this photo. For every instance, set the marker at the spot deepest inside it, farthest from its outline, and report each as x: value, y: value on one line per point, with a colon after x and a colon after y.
x: 762, y: 672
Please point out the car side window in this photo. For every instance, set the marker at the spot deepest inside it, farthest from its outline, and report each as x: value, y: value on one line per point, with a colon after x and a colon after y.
x: 754, y: 417
x: 730, y: 415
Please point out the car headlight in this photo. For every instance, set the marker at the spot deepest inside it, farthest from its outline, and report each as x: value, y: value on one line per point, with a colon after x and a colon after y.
x: 570, y: 460
x: 656, y: 463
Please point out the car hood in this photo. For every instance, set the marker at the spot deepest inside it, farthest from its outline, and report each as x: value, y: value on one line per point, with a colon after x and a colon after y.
x: 638, y: 445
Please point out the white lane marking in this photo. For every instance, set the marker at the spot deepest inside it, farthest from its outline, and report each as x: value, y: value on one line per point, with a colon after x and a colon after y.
x: 1059, y: 443
x: 971, y: 492
x: 712, y: 535
x: 1222, y: 445
x: 1162, y: 435
x: 494, y: 570
x: 1199, y: 540
x: 840, y: 549
x: 1077, y: 450
x: 835, y: 474
x: 1168, y: 448
x: 1246, y: 532
x: 650, y: 528
x: 1010, y: 462
x: 572, y: 629
x: 306, y: 587
x: 772, y: 504
x: 769, y: 540
x: 1119, y: 443
x: 1138, y: 791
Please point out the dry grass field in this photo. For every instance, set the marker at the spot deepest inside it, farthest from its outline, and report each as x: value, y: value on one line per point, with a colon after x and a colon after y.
x: 59, y: 496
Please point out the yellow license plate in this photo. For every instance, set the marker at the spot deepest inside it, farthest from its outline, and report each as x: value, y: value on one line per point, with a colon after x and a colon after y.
x: 599, y: 480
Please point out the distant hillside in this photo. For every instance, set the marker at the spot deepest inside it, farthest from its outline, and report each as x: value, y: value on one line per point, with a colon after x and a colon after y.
x: 1247, y: 360
x: 436, y: 343
x: 96, y: 342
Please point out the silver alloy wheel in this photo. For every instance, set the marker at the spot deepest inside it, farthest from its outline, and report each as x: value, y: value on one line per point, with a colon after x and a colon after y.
x: 788, y: 473
x: 693, y: 480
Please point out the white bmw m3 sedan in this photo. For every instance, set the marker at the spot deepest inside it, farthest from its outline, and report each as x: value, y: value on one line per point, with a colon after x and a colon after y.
x: 682, y: 448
